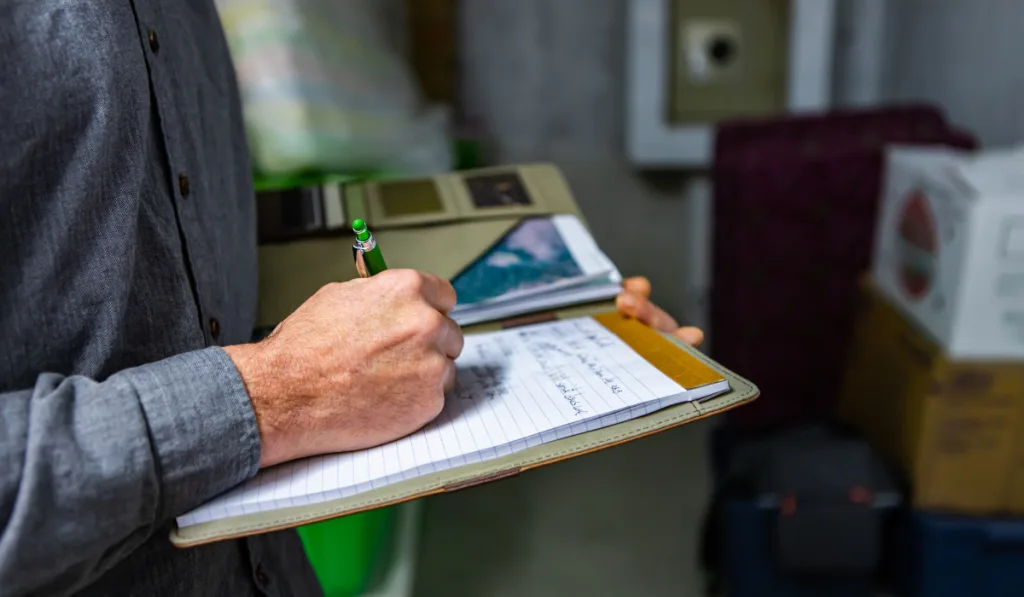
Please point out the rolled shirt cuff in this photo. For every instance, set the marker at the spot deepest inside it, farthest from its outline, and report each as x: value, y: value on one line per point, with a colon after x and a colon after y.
x: 201, y: 424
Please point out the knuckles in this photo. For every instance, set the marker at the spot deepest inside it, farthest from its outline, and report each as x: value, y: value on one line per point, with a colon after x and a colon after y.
x: 405, y: 281
x: 434, y: 368
x: 434, y: 322
x: 425, y: 323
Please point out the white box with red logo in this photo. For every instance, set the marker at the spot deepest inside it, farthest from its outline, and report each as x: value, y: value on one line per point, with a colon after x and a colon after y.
x: 949, y: 247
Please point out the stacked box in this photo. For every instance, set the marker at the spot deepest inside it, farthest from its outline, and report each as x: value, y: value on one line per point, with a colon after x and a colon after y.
x: 936, y: 371
x: 952, y: 426
x: 949, y: 252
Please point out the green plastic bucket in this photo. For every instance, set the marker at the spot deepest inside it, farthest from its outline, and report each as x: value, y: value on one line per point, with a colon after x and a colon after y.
x: 350, y: 554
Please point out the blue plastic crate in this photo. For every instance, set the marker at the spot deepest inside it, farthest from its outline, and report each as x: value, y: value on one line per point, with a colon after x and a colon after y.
x: 749, y: 562
x: 953, y: 556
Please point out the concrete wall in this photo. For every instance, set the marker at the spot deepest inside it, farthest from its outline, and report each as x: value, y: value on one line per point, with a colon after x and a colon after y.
x: 545, y: 79
x: 967, y: 56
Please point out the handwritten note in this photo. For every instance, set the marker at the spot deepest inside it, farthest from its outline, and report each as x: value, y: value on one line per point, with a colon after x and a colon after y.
x: 516, y: 389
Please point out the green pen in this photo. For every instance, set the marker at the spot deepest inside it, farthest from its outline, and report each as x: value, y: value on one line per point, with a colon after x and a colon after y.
x: 369, y: 260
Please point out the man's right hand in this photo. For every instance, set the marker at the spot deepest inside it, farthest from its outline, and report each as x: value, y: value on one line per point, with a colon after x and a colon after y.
x: 359, y: 364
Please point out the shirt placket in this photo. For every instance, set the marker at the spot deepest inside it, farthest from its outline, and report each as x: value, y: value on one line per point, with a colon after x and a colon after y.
x: 163, y: 79
x: 164, y: 82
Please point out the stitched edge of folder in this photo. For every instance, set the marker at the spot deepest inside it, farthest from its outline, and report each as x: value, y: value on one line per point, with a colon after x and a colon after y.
x: 223, y: 529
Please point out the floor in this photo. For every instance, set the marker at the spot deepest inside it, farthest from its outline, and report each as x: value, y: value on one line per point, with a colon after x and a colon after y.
x: 619, y: 522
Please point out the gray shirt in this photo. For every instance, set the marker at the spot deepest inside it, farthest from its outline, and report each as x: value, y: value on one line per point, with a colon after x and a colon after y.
x: 127, y: 256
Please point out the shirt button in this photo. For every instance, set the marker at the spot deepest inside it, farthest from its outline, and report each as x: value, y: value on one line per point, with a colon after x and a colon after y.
x: 214, y: 328
x: 183, y: 185
x: 261, y: 576
x: 154, y: 43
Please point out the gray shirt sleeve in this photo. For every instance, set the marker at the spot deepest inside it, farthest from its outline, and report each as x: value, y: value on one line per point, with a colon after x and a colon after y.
x: 90, y: 469
x: 94, y: 285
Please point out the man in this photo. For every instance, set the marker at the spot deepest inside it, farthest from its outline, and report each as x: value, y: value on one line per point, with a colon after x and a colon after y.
x: 128, y: 391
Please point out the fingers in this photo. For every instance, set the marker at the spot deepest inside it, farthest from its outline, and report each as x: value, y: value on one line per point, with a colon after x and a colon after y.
x: 646, y: 311
x: 361, y: 265
x: 637, y: 285
x: 634, y: 302
x: 449, y: 376
x: 691, y: 335
x: 438, y: 293
x: 450, y: 338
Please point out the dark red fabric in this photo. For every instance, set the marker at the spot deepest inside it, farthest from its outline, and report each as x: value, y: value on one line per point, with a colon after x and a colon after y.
x: 795, y: 201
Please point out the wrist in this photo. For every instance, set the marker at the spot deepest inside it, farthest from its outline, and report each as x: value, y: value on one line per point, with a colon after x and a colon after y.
x: 253, y: 367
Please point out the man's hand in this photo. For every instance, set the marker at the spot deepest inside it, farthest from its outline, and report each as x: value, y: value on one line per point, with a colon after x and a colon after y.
x: 359, y: 364
x: 635, y: 300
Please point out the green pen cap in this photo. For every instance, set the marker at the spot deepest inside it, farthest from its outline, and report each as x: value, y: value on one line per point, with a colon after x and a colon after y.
x: 359, y: 227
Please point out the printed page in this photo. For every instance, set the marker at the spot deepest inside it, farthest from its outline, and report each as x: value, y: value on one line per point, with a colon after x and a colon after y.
x: 516, y: 388
x: 584, y: 249
x: 538, y: 256
x: 597, y: 290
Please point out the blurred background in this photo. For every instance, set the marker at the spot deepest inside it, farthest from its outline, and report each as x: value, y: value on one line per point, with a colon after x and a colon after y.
x: 830, y: 188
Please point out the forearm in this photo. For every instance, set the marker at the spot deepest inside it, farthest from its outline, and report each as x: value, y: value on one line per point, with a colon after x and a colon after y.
x: 90, y: 469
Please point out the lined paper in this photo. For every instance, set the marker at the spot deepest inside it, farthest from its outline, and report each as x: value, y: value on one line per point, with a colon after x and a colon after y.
x: 516, y: 389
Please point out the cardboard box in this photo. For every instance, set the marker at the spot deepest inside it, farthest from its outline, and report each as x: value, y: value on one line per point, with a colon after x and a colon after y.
x: 956, y: 428
x: 949, y: 247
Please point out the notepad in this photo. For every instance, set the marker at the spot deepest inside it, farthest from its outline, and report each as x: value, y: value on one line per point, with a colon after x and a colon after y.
x: 517, y: 388
x: 543, y: 263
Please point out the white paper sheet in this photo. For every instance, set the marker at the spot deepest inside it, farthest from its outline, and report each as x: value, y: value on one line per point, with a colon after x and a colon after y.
x: 517, y: 388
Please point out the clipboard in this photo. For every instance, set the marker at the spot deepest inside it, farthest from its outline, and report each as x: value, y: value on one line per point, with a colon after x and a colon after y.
x: 291, y: 272
x: 667, y: 353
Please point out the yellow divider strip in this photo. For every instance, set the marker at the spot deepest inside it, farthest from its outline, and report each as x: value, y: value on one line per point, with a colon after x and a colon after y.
x: 679, y: 365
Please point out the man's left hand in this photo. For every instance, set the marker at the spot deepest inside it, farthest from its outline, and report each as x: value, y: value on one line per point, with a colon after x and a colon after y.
x: 635, y: 301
